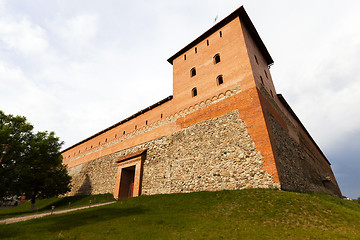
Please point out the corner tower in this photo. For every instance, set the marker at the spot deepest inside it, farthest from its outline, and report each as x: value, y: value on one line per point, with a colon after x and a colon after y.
x: 231, y: 58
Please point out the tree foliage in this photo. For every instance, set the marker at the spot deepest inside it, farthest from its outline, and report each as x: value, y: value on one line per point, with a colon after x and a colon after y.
x: 31, y: 163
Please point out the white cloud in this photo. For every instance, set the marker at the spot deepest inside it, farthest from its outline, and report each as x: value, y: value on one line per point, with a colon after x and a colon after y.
x: 76, y: 32
x: 23, y: 36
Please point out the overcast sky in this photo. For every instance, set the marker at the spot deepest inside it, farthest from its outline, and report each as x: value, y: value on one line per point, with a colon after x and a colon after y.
x: 77, y: 67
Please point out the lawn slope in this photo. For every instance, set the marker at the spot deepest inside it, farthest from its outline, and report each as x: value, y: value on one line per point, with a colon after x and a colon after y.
x: 243, y: 214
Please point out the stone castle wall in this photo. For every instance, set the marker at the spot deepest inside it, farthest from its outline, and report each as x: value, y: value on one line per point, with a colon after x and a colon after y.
x: 300, y: 165
x: 214, y: 154
x: 299, y: 170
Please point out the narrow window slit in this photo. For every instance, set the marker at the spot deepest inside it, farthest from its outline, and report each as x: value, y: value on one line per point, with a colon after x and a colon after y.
x: 194, y: 92
x: 193, y: 72
x: 217, y: 58
x: 219, y: 80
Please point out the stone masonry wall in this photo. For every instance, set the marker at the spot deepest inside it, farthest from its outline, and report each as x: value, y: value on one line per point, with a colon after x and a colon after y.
x: 298, y: 170
x: 211, y: 155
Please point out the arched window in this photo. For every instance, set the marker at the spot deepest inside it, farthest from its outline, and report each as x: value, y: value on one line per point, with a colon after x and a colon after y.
x: 261, y: 79
x: 193, y: 72
x: 220, y: 33
x: 219, y: 80
x: 194, y: 92
x: 217, y: 58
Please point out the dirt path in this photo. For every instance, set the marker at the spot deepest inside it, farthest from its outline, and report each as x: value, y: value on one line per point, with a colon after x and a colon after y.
x: 28, y: 217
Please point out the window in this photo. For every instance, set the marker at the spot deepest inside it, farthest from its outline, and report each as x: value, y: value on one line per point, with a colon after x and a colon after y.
x: 256, y: 60
x: 193, y: 72
x: 194, y: 92
x: 115, y: 135
x: 220, y: 33
x: 91, y: 146
x: 261, y: 80
x: 219, y: 80
x: 106, y: 140
x: 135, y: 126
x: 124, y: 132
x: 161, y: 116
x: 207, y: 42
x: 146, y: 122
x: 184, y: 56
x: 266, y: 74
x: 217, y: 58
x: 271, y: 93
x: 196, y: 50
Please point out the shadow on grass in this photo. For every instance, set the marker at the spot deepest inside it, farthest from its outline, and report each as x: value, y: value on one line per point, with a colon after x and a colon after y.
x: 68, y: 221
x: 65, y: 222
x: 59, y: 203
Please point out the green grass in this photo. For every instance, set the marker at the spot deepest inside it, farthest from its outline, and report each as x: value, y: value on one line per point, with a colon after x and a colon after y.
x: 44, y: 205
x: 245, y: 214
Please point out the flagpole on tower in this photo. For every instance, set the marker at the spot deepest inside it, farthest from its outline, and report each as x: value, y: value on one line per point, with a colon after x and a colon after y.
x: 216, y: 18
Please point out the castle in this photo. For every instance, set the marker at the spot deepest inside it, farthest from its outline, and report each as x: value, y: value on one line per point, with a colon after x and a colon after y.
x: 224, y: 127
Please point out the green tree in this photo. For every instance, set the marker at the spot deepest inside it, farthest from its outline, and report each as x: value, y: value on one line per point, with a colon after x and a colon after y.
x: 31, y: 163
x: 15, y: 133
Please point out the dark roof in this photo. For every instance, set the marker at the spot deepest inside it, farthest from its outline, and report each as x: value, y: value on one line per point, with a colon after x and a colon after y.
x: 123, y: 121
x: 240, y: 12
x: 287, y: 106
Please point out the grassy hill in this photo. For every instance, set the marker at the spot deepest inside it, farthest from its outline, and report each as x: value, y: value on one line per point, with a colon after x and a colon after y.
x: 244, y: 214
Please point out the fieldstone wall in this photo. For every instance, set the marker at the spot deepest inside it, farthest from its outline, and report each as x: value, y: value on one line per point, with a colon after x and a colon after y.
x: 212, y: 155
x: 298, y: 170
x: 94, y: 177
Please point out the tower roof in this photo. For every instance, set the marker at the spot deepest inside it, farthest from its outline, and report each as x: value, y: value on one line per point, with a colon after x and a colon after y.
x: 241, y: 13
